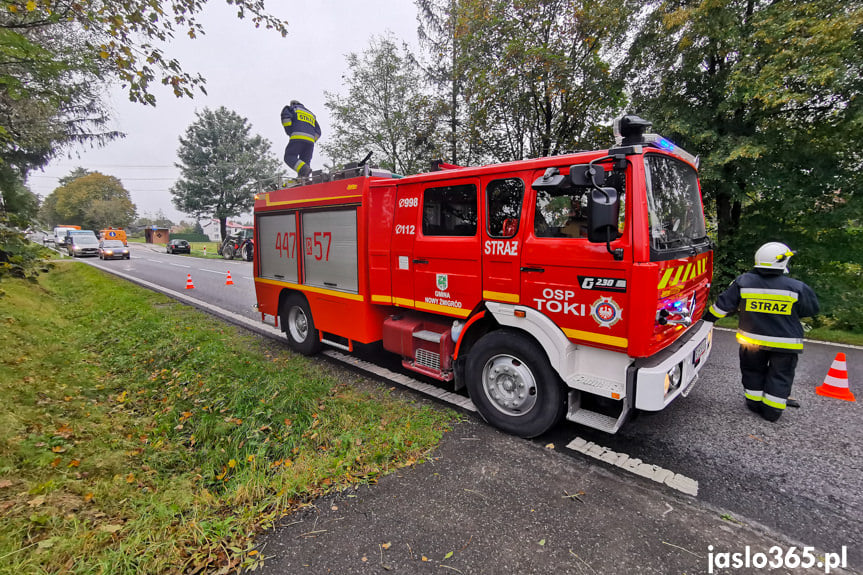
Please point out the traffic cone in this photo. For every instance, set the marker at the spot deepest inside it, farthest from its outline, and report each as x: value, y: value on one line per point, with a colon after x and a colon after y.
x: 836, y: 382
x: 189, y: 284
x: 229, y: 281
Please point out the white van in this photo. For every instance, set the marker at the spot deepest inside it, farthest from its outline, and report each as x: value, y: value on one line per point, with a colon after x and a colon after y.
x: 60, y: 234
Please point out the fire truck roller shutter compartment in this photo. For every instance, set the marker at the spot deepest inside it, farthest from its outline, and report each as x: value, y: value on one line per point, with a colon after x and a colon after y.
x: 330, y: 249
x: 279, y: 230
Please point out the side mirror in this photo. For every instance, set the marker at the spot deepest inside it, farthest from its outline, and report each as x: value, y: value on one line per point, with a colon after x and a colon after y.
x: 603, y: 212
x: 551, y: 180
x: 587, y: 176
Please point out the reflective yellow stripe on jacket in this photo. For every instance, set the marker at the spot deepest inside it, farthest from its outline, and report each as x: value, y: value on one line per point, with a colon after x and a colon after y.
x: 718, y: 312
x: 303, y: 137
x: 769, y: 341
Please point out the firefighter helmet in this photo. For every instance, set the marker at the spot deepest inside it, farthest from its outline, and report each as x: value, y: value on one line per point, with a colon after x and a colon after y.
x: 773, y: 255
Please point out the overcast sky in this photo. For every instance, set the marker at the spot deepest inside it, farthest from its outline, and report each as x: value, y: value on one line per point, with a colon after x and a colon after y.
x: 253, y: 72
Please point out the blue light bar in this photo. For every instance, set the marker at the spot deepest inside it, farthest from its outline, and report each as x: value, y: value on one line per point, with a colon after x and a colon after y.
x: 663, y: 144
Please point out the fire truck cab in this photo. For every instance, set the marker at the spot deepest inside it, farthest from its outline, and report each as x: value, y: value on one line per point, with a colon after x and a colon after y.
x: 569, y: 286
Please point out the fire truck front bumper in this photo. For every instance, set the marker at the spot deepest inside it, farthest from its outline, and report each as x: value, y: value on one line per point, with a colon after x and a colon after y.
x: 673, y: 372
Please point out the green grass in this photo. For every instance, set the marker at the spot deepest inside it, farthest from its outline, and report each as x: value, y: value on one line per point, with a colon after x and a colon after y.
x: 198, y: 249
x: 138, y: 435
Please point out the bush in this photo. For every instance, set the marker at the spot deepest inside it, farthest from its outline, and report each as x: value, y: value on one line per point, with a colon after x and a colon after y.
x: 191, y: 237
x: 19, y: 257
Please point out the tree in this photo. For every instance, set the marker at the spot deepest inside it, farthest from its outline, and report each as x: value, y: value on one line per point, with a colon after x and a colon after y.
x: 49, y: 90
x: 57, y: 56
x: 221, y: 166
x: 93, y: 201
x: 16, y: 198
x: 386, y: 111
x: 769, y: 94
x: 438, y: 32
x: 127, y: 35
x: 158, y: 219
x: 533, y: 77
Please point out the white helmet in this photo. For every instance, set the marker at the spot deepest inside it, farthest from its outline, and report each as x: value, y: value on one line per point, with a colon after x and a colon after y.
x: 773, y: 255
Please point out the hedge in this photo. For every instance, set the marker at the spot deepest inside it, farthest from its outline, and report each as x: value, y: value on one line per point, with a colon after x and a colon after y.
x: 191, y: 237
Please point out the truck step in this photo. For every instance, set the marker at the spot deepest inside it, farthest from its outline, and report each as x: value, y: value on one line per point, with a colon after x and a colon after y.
x: 596, y: 420
x: 428, y: 335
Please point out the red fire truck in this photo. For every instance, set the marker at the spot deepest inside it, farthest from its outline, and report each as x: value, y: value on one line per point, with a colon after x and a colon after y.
x: 564, y: 286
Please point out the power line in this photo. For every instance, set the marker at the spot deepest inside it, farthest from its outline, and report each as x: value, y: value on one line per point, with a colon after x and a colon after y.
x: 124, y: 179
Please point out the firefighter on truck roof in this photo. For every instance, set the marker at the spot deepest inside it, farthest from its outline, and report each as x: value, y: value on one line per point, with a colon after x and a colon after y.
x: 770, y: 335
x: 304, y: 129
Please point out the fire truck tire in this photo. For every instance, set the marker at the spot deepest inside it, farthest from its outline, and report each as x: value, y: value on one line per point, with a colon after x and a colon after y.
x: 513, y: 385
x: 228, y: 253
x: 296, y: 319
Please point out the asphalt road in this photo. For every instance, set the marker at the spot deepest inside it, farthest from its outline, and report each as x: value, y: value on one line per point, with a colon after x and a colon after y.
x: 801, y: 476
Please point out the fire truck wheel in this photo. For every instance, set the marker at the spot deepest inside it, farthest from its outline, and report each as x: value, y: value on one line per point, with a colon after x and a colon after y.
x: 513, y: 385
x: 296, y: 319
x: 228, y: 253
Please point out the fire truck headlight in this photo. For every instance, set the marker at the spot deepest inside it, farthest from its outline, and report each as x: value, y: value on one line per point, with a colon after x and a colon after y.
x: 673, y: 378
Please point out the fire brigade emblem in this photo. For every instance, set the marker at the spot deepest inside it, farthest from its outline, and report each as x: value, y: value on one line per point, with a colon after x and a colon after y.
x: 442, y: 282
x: 605, y: 311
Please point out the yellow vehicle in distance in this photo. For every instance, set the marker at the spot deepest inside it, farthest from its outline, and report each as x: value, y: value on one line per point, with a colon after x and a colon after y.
x: 114, y: 234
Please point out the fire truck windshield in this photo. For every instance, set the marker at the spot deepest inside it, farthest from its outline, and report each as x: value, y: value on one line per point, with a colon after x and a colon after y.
x: 675, y: 214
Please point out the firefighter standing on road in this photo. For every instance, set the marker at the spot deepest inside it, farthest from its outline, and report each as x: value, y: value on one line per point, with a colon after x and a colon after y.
x: 770, y: 335
x: 303, y: 128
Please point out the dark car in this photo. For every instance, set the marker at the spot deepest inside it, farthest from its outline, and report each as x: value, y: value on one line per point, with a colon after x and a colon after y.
x: 179, y: 247
x: 113, y: 249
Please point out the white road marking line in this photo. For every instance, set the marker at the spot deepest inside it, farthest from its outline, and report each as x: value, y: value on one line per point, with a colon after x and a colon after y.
x: 152, y: 260
x: 180, y: 266
x: 674, y: 480
x: 212, y: 271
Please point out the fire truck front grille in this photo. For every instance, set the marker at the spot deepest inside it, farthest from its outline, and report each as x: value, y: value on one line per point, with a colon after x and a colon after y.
x: 428, y: 359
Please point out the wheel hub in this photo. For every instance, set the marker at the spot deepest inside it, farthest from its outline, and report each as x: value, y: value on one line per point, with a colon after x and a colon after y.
x: 509, y: 385
x: 298, y: 323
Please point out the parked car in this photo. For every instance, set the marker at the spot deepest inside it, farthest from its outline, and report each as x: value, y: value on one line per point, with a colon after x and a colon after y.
x: 113, y: 249
x: 179, y: 247
x: 82, y: 245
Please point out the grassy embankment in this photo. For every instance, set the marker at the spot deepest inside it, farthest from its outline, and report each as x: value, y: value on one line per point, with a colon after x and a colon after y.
x: 138, y: 435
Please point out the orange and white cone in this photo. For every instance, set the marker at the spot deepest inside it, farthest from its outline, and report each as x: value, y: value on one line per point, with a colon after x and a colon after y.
x: 229, y: 281
x: 836, y: 382
x: 189, y: 284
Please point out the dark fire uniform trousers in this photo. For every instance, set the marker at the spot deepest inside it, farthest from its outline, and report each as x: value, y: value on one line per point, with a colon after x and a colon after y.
x: 770, y: 305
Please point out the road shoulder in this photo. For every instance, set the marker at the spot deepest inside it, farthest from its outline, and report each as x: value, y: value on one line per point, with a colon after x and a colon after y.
x: 489, y: 503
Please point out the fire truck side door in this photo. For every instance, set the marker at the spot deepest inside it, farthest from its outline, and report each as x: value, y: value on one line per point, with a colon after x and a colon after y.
x: 504, y: 199
x: 577, y: 284
x: 447, y: 249
x: 405, y: 228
